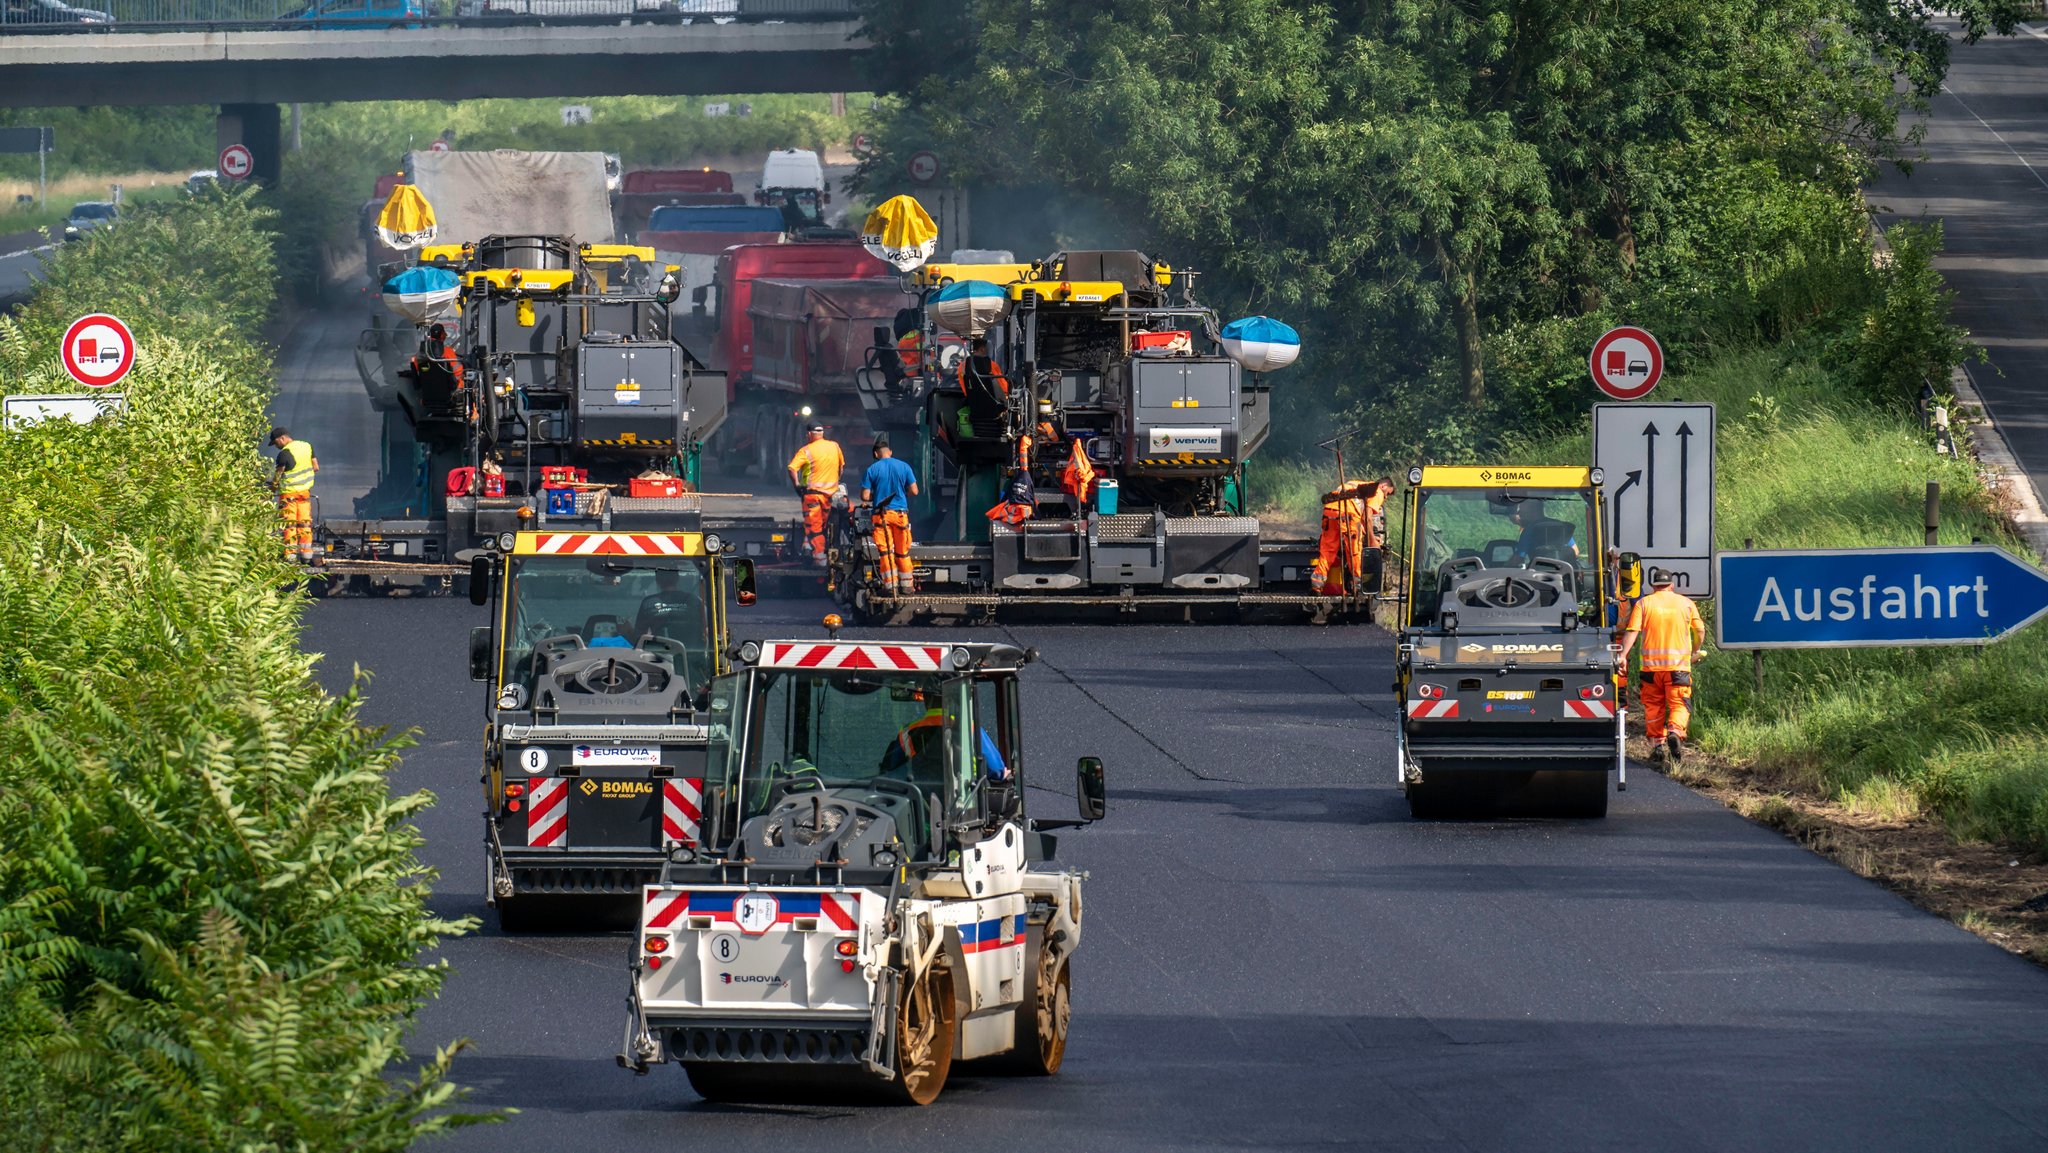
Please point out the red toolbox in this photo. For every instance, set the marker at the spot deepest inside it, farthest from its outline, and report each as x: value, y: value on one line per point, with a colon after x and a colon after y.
x: 649, y: 486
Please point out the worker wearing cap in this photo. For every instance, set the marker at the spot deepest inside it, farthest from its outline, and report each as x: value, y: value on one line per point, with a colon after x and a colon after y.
x: 814, y: 473
x: 293, y: 480
x: 1669, y: 625
x: 887, y: 487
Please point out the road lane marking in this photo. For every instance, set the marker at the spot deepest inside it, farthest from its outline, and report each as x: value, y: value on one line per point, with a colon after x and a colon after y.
x: 1994, y: 134
x: 26, y: 251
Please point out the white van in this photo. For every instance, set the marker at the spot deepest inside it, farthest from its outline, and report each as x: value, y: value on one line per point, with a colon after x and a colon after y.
x: 793, y: 168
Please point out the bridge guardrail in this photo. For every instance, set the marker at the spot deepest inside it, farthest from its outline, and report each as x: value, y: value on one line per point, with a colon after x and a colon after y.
x: 110, y: 16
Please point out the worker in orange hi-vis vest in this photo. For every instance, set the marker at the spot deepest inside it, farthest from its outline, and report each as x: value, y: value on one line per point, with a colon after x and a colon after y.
x: 1077, y: 477
x: 296, y: 467
x: 814, y: 473
x: 1340, y: 559
x: 1673, y: 636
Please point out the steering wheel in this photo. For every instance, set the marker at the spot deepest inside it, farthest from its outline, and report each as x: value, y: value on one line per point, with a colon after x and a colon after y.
x: 1501, y: 593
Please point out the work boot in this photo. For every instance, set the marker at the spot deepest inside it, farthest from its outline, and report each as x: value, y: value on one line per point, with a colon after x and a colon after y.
x: 1676, y: 744
x: 1657, y: 751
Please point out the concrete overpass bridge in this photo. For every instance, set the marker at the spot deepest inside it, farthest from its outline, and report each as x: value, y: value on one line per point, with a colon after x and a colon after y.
x: 249, y: 67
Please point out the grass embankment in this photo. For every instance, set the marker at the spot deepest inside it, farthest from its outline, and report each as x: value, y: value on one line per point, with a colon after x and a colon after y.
x: 212, y: 920
x: 137, y: 189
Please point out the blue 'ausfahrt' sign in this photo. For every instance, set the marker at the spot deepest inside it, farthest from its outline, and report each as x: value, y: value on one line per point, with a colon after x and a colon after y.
x: 1838, y: 598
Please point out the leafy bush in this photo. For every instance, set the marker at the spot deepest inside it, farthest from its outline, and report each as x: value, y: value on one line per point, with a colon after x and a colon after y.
x: 211, y: 914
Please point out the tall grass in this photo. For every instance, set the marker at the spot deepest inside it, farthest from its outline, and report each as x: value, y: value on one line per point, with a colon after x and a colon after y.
x: 137, y: 188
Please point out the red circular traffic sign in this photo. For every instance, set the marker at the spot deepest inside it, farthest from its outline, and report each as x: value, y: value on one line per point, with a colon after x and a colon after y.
x: 924, y: 167
x: 861, y: 143
x: 1627, y: 362
x: 236, y: 163
x: 98, y: 350
x: 438, y: 146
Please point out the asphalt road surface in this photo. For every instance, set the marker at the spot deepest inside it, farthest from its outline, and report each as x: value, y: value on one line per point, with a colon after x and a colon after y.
x: 1276, y: 956
x: 1985, y: 177
x: 19, y: 271
x: 321, y: 398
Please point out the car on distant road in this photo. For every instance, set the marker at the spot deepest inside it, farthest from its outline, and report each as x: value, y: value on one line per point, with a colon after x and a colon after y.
x: 88, y: 215
x: 202, y: 180
x: 332, y: 14
x: 49, y: 12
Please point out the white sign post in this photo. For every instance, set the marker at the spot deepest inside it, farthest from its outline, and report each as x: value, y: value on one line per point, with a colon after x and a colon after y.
x: 24, y: 409
x: 1658, y: 466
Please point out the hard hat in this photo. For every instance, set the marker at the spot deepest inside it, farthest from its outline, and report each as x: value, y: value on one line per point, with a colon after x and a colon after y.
x: 817, y: 428
x: 1659, y: 576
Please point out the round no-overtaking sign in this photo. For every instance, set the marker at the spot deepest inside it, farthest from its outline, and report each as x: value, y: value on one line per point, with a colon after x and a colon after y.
x: 98, y: 350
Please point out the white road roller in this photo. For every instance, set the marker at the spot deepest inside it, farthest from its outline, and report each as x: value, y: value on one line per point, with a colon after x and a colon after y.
x: 867, y: 901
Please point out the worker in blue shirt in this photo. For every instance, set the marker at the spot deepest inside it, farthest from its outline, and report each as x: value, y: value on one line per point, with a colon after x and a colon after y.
x: 887, y: 487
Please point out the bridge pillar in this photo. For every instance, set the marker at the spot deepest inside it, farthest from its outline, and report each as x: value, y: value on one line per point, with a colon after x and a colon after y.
x: 260, y: 129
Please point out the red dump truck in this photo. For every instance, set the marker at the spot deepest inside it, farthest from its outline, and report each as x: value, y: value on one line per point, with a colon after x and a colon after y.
x: 819, y: 323
x: 811, y: 338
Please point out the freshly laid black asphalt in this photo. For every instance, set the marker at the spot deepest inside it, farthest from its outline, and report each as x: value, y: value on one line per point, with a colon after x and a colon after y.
x: 1985, y: 178
x: 1276, y: 956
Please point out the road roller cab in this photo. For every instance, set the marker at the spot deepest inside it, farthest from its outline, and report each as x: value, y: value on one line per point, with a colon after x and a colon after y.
x: 868, y: 901
x: 1506, y: 668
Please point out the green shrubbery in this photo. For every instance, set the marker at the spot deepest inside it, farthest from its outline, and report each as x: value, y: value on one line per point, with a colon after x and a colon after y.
x: 211, y: 915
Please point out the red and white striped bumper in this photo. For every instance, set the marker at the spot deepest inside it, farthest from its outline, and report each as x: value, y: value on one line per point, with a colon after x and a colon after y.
x: 547, y: 814
x: 1584, y: 710
x: 1437, y: 710
x: 682, y: 803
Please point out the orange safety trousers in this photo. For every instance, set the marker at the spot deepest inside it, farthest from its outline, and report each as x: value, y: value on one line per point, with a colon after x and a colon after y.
x: 1340, y: 561
x: 1666, y: 695
x: 296, y: 510
x: 816, y: 506
x: 892, y: 543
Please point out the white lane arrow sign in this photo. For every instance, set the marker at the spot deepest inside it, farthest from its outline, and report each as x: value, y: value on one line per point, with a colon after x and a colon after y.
x: 1657, y: 461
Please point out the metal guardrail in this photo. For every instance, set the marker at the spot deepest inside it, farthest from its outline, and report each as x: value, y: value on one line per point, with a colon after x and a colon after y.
x: 105, y: 16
